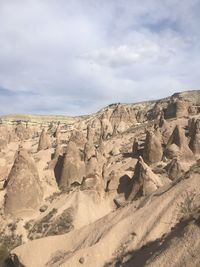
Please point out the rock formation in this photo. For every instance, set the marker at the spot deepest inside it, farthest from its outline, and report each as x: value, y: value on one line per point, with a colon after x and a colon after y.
x: 195, y: 138
x: 73, y: 169
x: 177, y: 146
x: 57, y: 132
x: 44, y: 141
x: 122, y: 114
x: 144, y: 180
x: 165, y: 130
x: 177, y: 108
x: 24, y: 193
x: 174, y: 169
x: 106, y: 128
x: 90, y: 133
x: 89, y: 151
x: 181, y: 108
x: 135, y: 146
x: 78, y: 138
x: 191, y: 126
x: 93, y: 179
x: 22, y: 132
x: 153, y: 151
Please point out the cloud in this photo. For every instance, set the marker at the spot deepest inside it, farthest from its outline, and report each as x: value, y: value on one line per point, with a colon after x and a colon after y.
x: 74, y: 57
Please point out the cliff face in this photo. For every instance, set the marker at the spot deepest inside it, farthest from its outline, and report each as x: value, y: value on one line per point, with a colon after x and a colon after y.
x: 95, y: 190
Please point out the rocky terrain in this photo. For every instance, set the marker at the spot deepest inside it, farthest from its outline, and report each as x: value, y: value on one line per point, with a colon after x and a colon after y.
x: 117, y: 188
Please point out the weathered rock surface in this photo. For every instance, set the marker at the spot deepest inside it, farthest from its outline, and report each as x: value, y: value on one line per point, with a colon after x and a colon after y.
x: 177, y: 146
x: 144, y: 180
x: 195, y: 138
x: 44, y: 141
x: 174, y: 169
x: 153, y: 151
x: 23, y: 191
x: 73, y: 169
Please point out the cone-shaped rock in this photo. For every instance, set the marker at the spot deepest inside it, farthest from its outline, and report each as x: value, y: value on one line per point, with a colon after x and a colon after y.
x: 24, y: 193
x: 174, y: 169
x: 152, y: 149
x: 195, y: 139
x: 44, y: 141
x: 165, y: 130
x: 57, y: 132
x: 93, y: 178
x: 73, y: 168
x: 177, y: 146
x: 135, y: 147
x: 144, y: 180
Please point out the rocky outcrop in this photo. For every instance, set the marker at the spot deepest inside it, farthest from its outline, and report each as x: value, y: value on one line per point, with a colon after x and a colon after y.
x: 44, y: 141
x: 177, y: 108
x: 122, y: 113
x: 191, y: 126
x: 22, y: 132
x: 78, y: 137
x: 165, y: 130
x: 57, y: 133
x: 89, y: 151
x: 90, y: 133
x: 181, y: 108
x: 23, y: 191
x: 144, y: 180
x: 93, y: 179
x: 177, y: 146
x: 153, y: 151
x: 195, y: 138
x: 73, y: 169
x: 174, y: 169
x: 135, y: 148
x: 106, y: 128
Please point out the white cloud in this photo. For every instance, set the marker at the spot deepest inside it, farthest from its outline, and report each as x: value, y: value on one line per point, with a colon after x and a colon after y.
x: 77, y: 56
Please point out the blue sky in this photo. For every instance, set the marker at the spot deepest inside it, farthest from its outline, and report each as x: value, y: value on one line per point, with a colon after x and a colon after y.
x: 74, y: 57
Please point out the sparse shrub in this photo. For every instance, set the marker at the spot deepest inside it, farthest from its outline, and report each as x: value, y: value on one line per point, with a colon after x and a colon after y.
x: 189, y: 208
x: 51, y: 225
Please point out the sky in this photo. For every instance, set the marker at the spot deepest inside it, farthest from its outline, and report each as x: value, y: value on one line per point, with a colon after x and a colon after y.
x: 74, y: 57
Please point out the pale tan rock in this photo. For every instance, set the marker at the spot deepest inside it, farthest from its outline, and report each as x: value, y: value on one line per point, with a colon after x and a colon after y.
x: 195, y: 139
x: 181, y: 108
x: 174, y: 169
x: 44, y: 141
x: 153, y: 151
x: 179, y: 144
x: 78, y: 137
x: 106, y: 129
x: 23, y: 191
x: 144, y: 180
x: 73, y: 169
x: 22, y: 132
x: 89, y: 151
